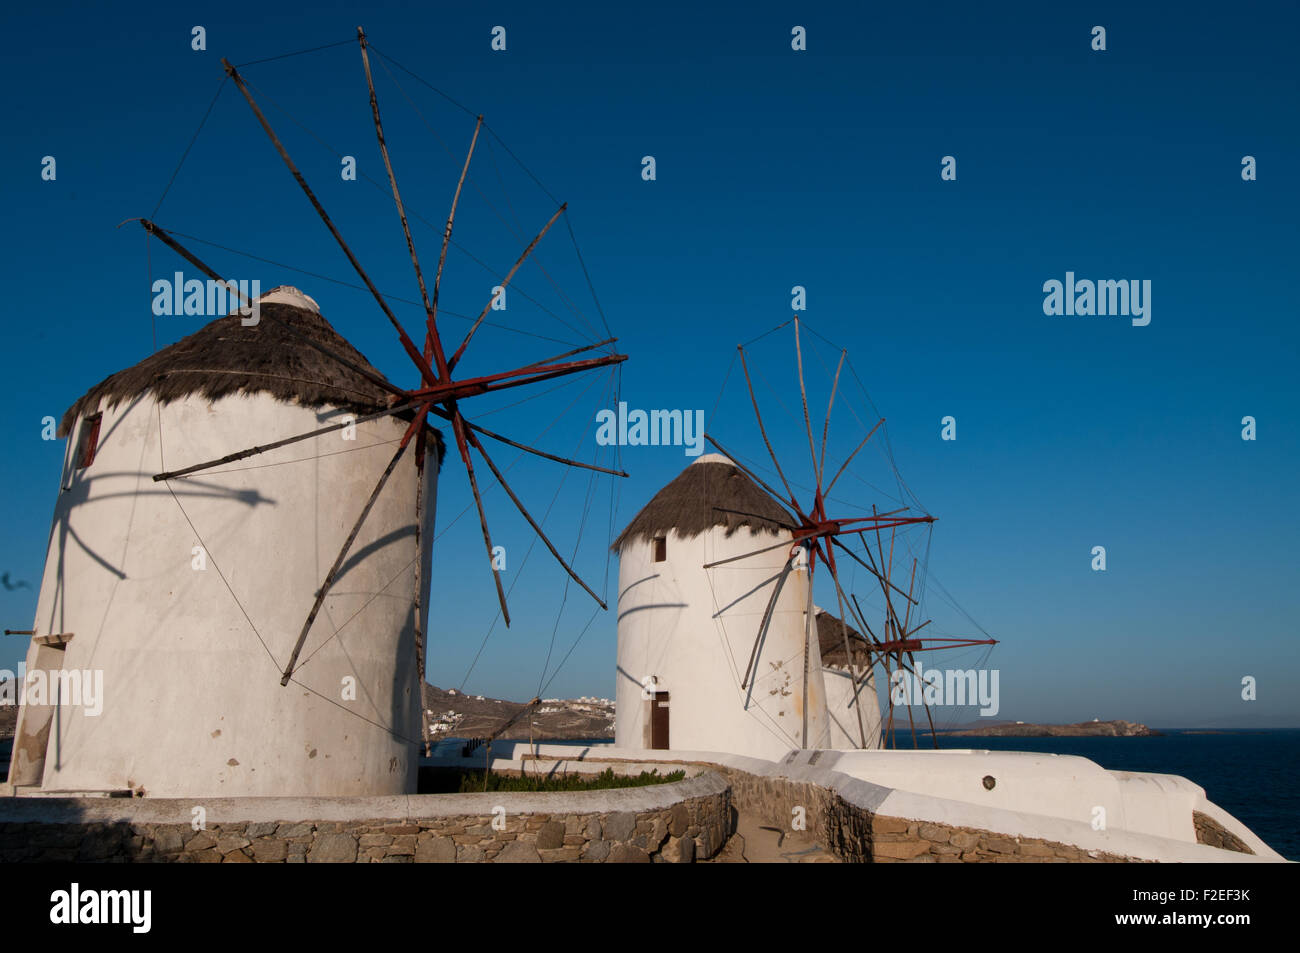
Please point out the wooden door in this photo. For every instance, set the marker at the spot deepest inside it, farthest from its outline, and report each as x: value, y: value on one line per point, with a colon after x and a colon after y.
x: 659, y: 721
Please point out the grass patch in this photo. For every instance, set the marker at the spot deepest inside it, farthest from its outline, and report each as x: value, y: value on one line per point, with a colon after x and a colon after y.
x: 471, y: 782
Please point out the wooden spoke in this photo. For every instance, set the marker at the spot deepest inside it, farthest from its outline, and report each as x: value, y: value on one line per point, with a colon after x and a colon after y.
x: 862, y: 619
x: 455, y: 358
x: 431, y: 336
x: 541, y: 453
x: 911, y: 721
x: 477, y: 445
x: 884, y: 660
x: 858, y: 683
x: 803, y: 395
x: 576, y: 350
x: 912, y: 632
x: 826, y: 429
x: 929, y: 716
x: 753, y: 399
x: 910, y: 669
x: 753, y: 476
x: 481, y: 385
x: 852, y: 455
x: 829, y: 558
x: 446, y: 236
x: 907, y: 615
x: 767, y: 619
x: 757, y: 516
x: 193, y: 259
x: 904, y: 667
x: 907, y: 612
x: 798, y: 537
x: 407, y: 344
x: 254, y: 451
x: 893, y: 535
x: 343, y: 552
x: 458, y: 426
x: 376, y: 379
x: 900, y: 633
x: 869, y: 568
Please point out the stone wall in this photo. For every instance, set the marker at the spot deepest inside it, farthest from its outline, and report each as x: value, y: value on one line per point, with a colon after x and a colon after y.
x: 1209, y: 831
x: 675, y: 823
x: 898, y: 840
x: 672, y: 823
x: 856, y: 834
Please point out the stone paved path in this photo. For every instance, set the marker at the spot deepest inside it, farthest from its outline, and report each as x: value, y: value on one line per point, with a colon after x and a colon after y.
x: 757, y: 843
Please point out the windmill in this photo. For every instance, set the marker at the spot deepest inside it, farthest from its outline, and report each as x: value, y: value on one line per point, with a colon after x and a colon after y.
x: 437, y: 393
x: 185, y: 570
x: 817, y: 537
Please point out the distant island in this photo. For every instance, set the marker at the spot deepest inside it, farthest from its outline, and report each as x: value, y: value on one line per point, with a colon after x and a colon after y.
x: 1083, y: 729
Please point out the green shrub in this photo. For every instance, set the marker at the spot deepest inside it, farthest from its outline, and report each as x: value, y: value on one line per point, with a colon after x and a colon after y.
x: 472, y: 782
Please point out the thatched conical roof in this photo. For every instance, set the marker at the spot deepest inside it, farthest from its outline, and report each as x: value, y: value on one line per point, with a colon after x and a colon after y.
x: 830, y: 637
x: 700, y: 498
x: 224, y: 357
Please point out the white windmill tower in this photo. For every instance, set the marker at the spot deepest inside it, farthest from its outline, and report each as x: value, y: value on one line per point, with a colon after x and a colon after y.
x: 690, y: 675
x: 849, y: 680
x: 179, y: 600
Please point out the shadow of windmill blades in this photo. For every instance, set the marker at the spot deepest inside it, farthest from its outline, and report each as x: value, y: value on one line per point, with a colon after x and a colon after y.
x: 633, y: 585
x: 624, y: 673
x: 70, y: 532
x: 658, y: 605
x: 357, y: 556
x: 78, y: 494
x: 745, y: 595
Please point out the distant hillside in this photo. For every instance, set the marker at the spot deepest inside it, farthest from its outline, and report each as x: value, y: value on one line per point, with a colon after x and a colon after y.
x: 450, y: 713
x: 1089, y: 729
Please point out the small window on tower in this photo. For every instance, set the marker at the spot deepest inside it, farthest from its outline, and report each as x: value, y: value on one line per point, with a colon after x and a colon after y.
x: 661, y: 549
x: 88, y: 441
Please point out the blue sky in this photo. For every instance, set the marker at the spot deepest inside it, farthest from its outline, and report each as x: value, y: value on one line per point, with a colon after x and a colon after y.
x: 775, y: 168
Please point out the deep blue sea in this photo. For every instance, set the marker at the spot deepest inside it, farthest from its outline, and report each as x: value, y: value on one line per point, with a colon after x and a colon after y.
x: 1253, y: 775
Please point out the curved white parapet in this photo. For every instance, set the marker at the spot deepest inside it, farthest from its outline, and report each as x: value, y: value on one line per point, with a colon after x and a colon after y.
x: 1062, y: 786
x: 1044, y: 796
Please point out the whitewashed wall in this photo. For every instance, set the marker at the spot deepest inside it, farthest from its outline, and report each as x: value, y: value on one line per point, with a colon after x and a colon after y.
x: 842, y: 710
x: 193, y: 704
